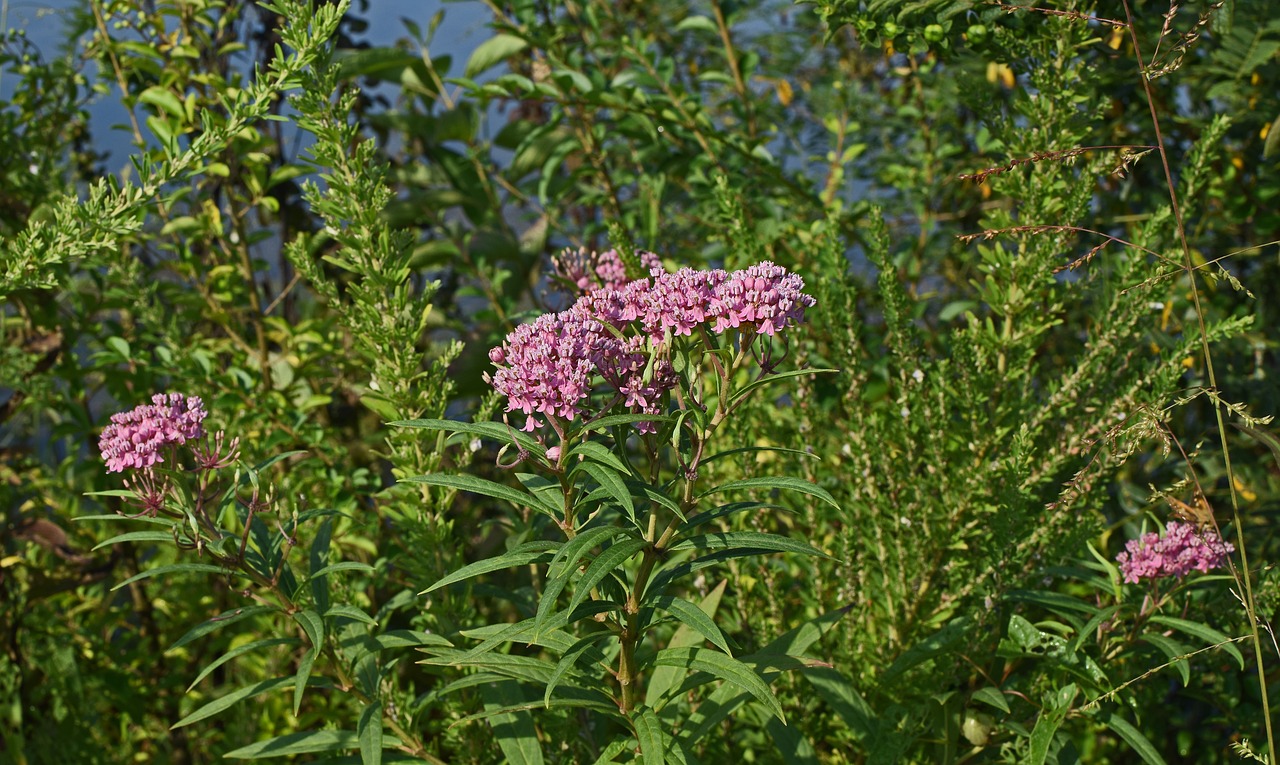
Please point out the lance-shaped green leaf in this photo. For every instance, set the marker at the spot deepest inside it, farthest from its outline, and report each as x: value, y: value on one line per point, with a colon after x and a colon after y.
x: 405, y: 639
x: 568, y: 659
x: 345, y: 611
x: 483, y: 486
x: 136, y: 536
x: 346, y: 565
x: 649, y: 735
x: 755, y: 540
x: 178, y: 568
x: 770, y: 379
x: 749, y: 449
x: 1133, y: 737
x: 225, y: 702
x: 656, y: 496
x: 658, y: 584
x: 723, y: 511
x: 565, y: 563
x: 318, y: 557
x: 724, y: 667
x: 782, y: 483
x: 310, y: 742
x: 313, y: 625
x: 220, y: 621
x: 515, y: 731
x: 604, y: 423
x: 544, y: 490
x: 239, y: 651
x: 662, y: 679
x: 604, y: 564
x: 1204, y: 632
x: 492, y: 430
x: 693, y: 617
x: 369, y: 734
x: 611, y: 482
x: 500, y: 634
x: 523, y: 555
x: 598, y: 452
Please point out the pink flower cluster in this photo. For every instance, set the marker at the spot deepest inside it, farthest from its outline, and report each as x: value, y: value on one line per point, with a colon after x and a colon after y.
x: 591, y: 270
x: 135, y: 438
x: 1179, y: 551
x: 548, y: 366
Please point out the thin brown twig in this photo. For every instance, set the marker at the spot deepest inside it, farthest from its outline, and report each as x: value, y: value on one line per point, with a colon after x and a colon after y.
x: 1056, y: 156
x: 1073, y: 15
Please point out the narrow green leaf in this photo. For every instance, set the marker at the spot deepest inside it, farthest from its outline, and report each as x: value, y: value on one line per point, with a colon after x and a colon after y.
x: 771, y: 449
x: 839, y: 693
x: 530, y: 552
x: 747, y: 390
x: 611, y: 482
x: 1204, y: 632
x: 516, y: 734
x: 492, y: 430
x: 312, y: 624
x: 406, y: 639
x: 318, y: 557
x: 662, y: 679
x: 693, y: 617
x: 724, y: 511
x: 369, y: 732
x: 786, y: 483
x: 137, y: 536
x: 346, y: 565
x: 1133, y: 737
x: 604, y: 423
x: 754, y: 540
x: 570, y: 658
x: 598, y: 452
x: 604, y: 564
x: 220, y: 621
x: 177, y: 568
x: 649, y: 735
x: 349, y: 612
x: 225, y: 702
x: 311, y: 742
x: 239, y: 651
x: 1176, y: 653
x: 565, y: 563
x: 656, y: 496
x: 303, y: 676
x: 724, y: 667
x: 479, y: 486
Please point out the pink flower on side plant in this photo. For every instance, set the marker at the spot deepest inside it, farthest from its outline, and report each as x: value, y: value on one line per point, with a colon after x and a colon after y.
x: 135, y: 438
x: 1180, y: 550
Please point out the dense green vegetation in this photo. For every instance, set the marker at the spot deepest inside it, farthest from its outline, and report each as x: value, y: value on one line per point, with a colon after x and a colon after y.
x: 906, y: 526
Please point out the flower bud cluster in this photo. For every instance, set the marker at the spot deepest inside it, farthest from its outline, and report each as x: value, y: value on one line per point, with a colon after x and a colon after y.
x: 135, y: 438
x: 589, y: 271
x: 1180, y: 550
x: 548, y: 367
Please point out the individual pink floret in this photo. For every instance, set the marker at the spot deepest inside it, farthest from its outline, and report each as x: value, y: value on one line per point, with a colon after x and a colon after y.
x: 1180, y: 550
x: 134, y: 439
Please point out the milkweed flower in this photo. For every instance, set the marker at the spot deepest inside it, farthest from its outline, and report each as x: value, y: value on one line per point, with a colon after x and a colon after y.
x: 1180, y: 550
x: 589, y: 271
x: 134, y: 439
x: 765, y: 296
x: 548, y: 367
